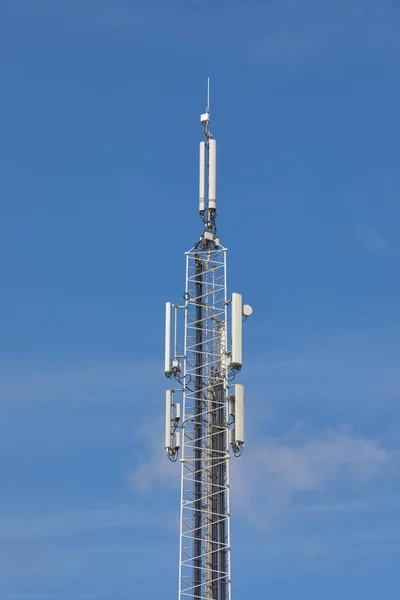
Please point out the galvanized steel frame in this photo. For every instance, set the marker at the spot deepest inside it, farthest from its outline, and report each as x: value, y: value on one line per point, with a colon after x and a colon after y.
x: 204, y: 566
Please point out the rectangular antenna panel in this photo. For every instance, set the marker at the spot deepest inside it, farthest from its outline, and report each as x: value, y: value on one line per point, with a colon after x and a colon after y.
x: 212, y: 174
x: 177, y: 412
x: 177, y: 440
x: 168, y: 404
x: 231, y: 436
x: 202, y: 173
x: 167, y: 366
x: 239, y: 413
x: 237, y: 313
x: 231, y: 401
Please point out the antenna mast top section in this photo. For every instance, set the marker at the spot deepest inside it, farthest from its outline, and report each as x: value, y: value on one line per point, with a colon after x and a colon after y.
x: 208, y: 176
x: 205, y: 117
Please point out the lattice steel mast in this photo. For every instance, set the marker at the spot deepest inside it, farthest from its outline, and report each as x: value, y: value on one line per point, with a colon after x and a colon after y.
x: 212, y: 419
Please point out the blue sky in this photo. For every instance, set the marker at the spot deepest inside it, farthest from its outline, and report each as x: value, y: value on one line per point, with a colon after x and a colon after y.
x: 99, y: 113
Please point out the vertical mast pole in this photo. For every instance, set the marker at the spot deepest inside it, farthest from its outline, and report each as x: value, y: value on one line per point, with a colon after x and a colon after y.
x: 207, y: 417
x: 198, y: 428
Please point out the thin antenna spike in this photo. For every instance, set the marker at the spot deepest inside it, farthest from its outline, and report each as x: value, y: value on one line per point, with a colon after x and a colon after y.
x: 208, y: 94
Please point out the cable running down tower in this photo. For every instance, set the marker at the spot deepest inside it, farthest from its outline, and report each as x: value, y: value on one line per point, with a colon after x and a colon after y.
x: 210, y: 426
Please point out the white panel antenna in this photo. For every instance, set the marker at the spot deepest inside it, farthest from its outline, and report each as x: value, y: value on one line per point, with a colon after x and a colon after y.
x: 212, y: 175
x: 167, y: 364
x: 168, y: 406
x: 202, y: 181
x: 172, y: 418
x: 231, y: 437
x: 237, y: 325
x: 239, y: 415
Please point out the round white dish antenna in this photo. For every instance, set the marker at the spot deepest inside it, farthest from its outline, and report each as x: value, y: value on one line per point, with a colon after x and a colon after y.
x: 247, y: 310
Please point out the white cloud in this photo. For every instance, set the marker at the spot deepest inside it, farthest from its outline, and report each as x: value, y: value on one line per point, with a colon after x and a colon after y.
x: 153, y: 468
x: 327, y: 466
x: 331, y: 463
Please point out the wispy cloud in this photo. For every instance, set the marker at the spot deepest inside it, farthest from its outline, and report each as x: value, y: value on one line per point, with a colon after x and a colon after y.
x: 284, y: 33
x: 92, y: 382
x: 70, y: 524
x: 276, y: 472
x: 306, y: 469
x: 338, y: 375
x: 287, y: 45
x: 370, y: 239
x: 53, y: 405
x: 311, y: 489
x: 296, y: 31
x: 153, y: 467
x: 317, y: 492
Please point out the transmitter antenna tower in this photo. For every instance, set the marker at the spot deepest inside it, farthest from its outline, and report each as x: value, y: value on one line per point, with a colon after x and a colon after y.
x: 204, y: 422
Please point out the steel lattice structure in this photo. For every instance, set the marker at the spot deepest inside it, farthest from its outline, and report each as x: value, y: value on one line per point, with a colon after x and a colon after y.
x: 212, y: 419
x: 204, y: 552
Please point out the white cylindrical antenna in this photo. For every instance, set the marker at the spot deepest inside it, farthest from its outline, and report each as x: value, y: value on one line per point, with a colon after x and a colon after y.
x: 168, y: 404
x: 167, y: 365
x: 239, y: 414
x: 202, y: 173
x: 177, y: 412
x: 177, y: 443
x: 212, y: 175
x: 237, y: 314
